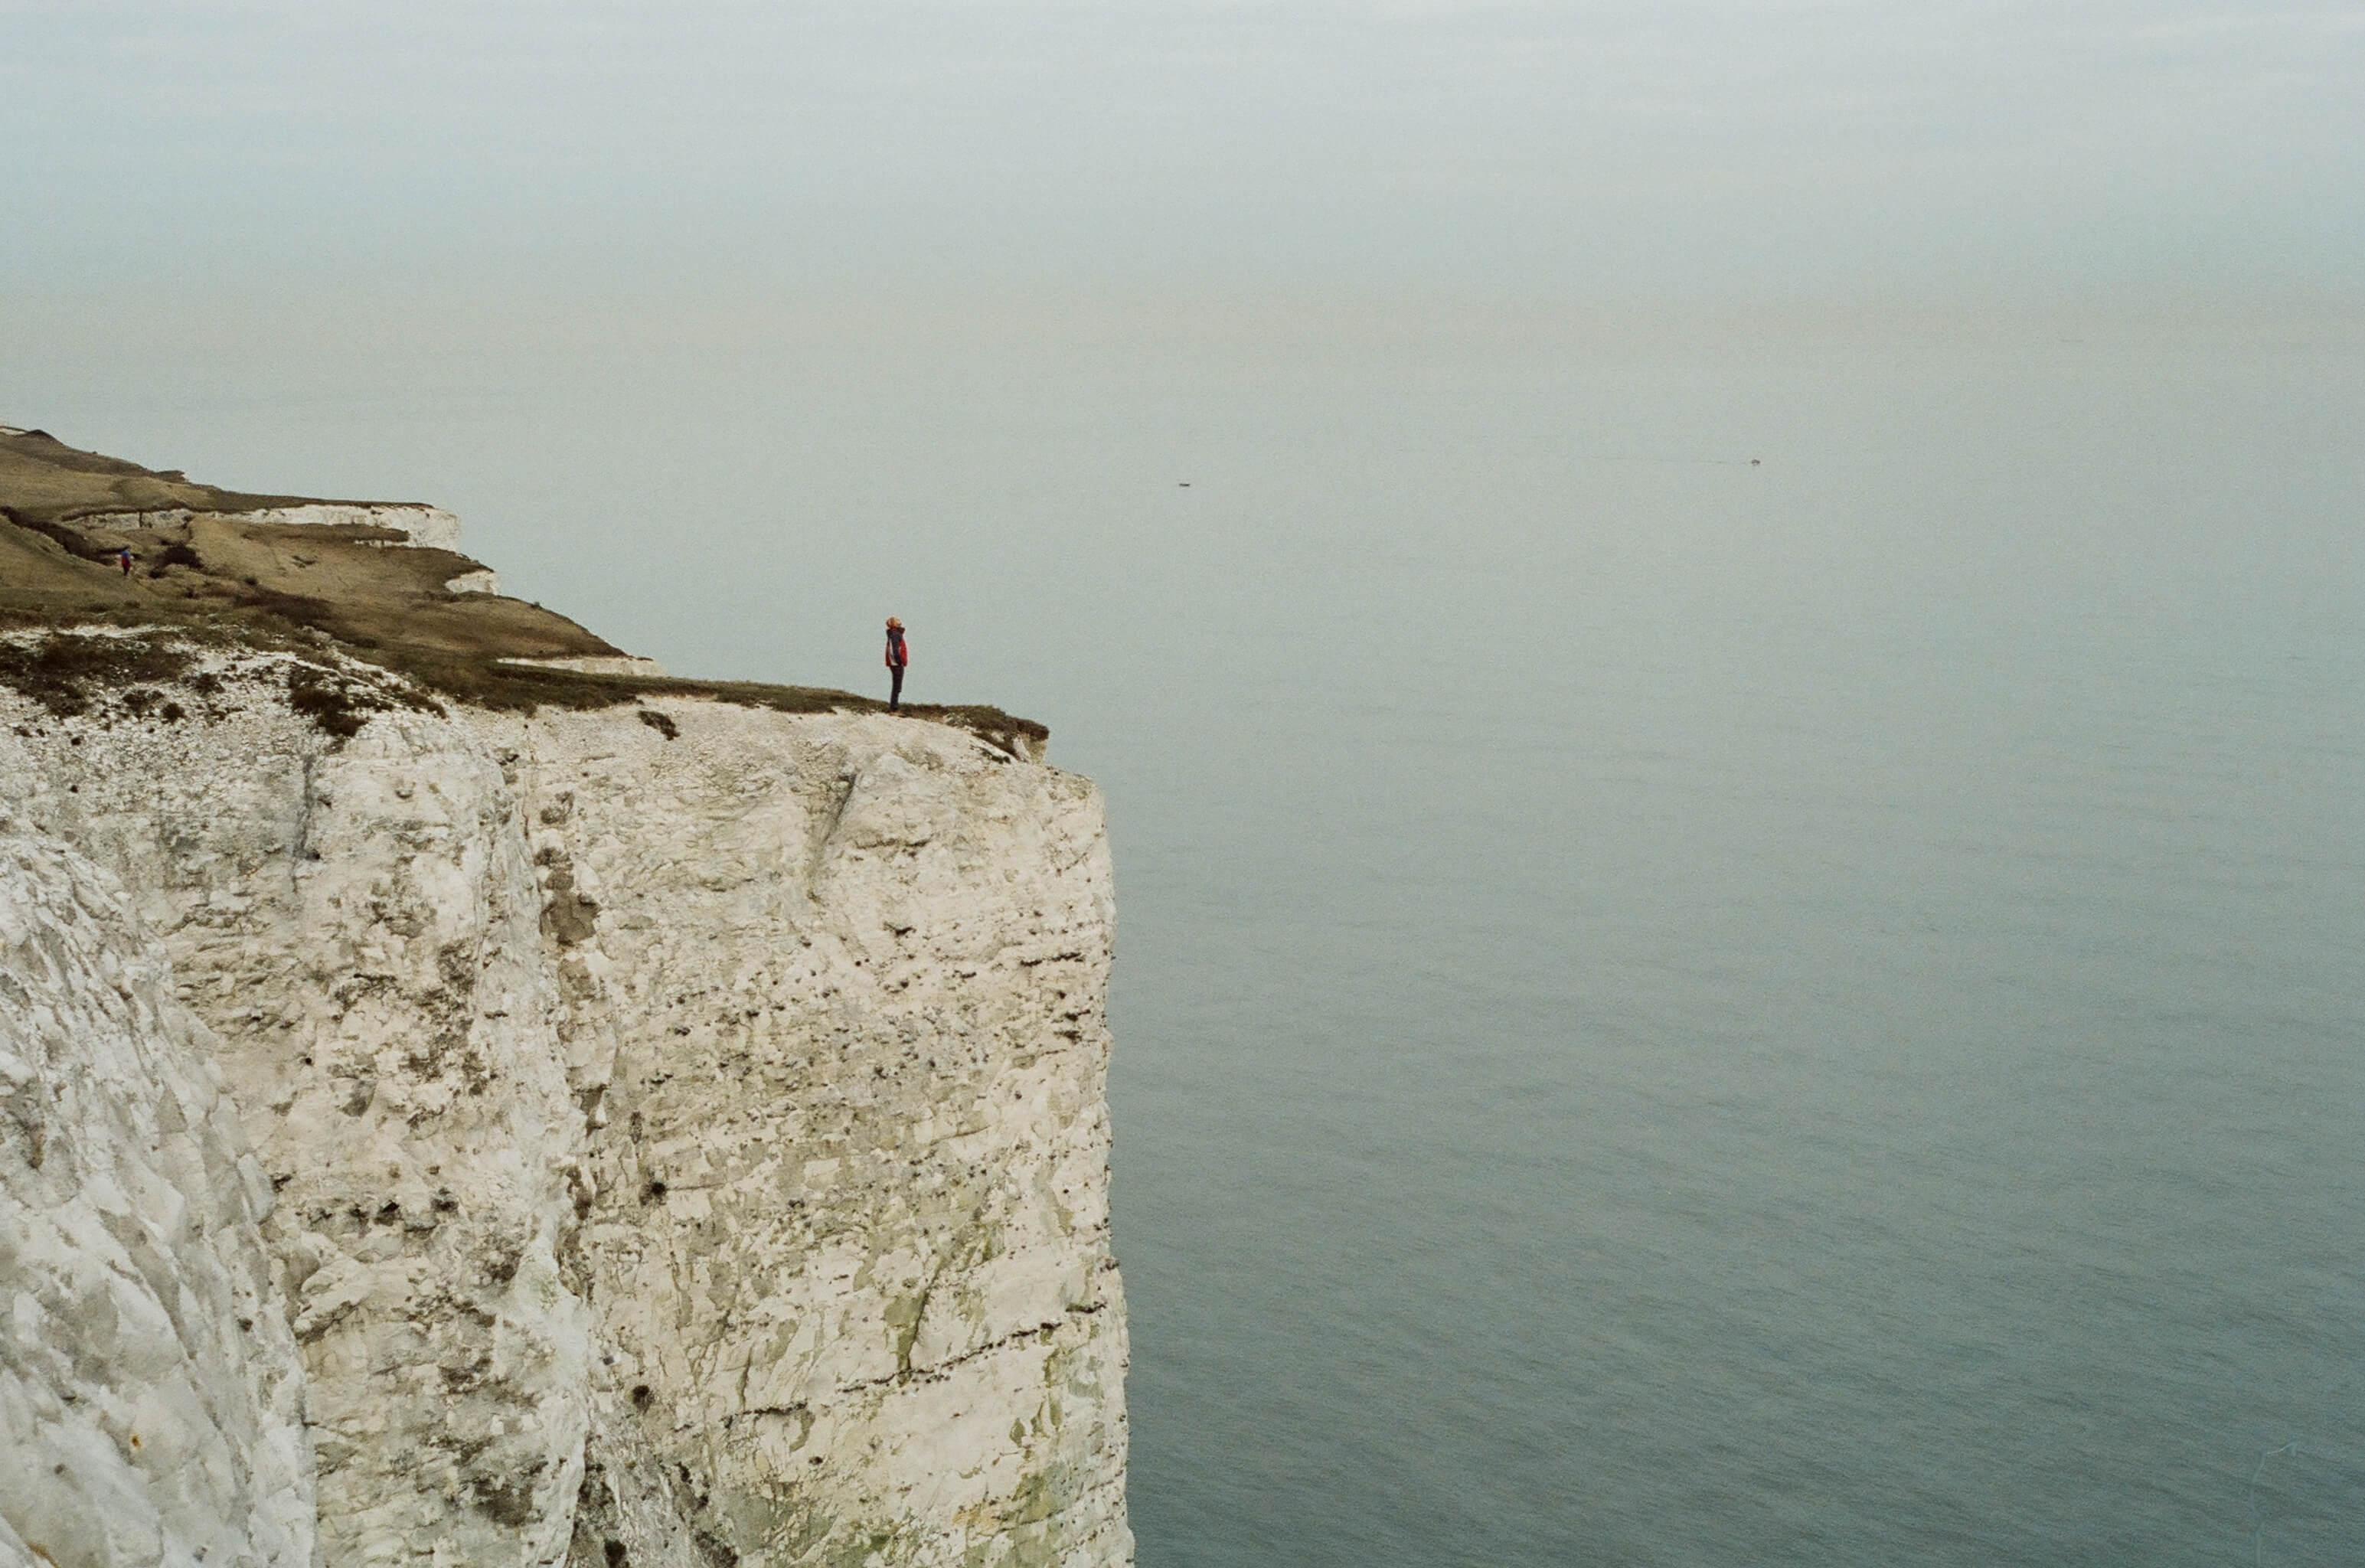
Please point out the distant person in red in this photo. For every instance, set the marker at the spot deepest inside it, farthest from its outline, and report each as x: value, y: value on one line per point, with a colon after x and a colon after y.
x: 899, y: 653
x: 123, y: 559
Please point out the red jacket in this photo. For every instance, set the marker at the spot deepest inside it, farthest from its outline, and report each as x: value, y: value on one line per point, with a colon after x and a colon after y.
x: 899, y: 650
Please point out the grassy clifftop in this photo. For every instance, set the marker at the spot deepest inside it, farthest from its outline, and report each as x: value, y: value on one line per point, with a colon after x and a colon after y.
x: 221, y: 576
x: 44, y: 480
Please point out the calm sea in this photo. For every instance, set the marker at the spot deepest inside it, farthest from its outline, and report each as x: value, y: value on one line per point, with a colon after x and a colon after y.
x: 1738, y: 946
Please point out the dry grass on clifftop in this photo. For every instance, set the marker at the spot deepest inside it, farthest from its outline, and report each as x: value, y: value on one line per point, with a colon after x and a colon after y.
x: 220, y: 579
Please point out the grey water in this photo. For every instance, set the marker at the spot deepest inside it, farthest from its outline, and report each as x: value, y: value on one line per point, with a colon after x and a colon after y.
x: 1677, y: 1010
x: 1737, y: 946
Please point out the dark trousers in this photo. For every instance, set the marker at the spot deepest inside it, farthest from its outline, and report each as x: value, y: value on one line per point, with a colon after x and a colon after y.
x: 895, y: 691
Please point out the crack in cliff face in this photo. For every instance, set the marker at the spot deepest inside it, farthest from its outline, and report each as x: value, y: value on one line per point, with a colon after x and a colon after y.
x: 299, y: 847
x: 942, y: 1371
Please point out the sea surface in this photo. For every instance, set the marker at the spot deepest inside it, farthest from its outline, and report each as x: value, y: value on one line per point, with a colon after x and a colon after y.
x: 1742, y: 942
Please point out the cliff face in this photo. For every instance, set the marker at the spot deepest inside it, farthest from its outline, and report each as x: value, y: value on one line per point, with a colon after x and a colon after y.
x: 150, y: 1390
x: 670, y: 1134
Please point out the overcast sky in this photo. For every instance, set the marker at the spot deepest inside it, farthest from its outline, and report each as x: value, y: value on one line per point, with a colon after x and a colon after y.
x: 1820, y: 147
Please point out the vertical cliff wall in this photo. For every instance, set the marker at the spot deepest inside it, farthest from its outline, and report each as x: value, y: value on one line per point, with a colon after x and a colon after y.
x: 150, y: 1389
x: 685, y: 1122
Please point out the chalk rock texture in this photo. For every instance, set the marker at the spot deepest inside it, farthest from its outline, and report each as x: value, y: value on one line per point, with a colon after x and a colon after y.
x: 839, y: 1015
x: 150, y: 1394
x: 687, y: 1131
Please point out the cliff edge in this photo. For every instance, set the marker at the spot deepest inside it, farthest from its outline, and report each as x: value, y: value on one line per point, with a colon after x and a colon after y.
x: 455, y: 1110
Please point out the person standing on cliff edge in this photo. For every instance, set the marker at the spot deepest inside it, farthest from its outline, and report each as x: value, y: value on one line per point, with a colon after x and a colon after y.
x: 899, y: 653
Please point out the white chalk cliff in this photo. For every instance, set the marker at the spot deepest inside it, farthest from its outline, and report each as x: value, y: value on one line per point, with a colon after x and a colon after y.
x: 670, y: 1135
